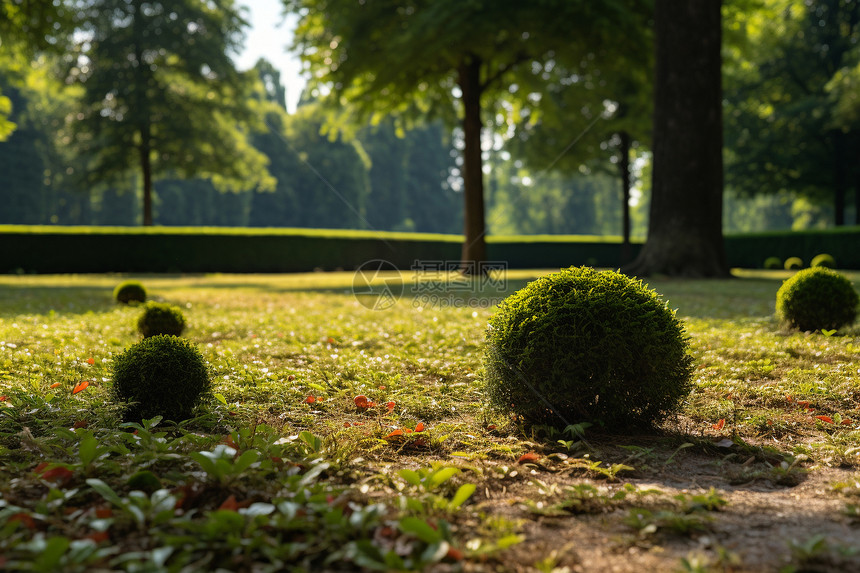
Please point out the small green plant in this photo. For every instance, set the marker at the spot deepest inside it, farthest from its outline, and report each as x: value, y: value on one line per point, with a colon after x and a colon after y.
x: 161, y: 318
x: 160, y: 376
x: 793, y: 263
x: 772, y: 263
x: 823, y: 260
x: 817, y: 299
x: 128, y: 292
x: 588, y: 345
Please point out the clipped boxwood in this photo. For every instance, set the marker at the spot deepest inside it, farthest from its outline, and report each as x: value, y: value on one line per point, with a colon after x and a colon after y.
x: 823, y: 260
x: 160, y: 376
x: 586, y: 345
x: 128, y: 292
x: 817, y: 298
x: 793, y: 263
x: 773, y: 263
x: 161, y: 318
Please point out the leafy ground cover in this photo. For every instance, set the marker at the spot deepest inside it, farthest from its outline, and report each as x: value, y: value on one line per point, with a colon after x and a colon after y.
x: 339, y: 437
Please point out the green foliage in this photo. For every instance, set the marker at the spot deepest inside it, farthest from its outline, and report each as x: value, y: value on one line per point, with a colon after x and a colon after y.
x: 587, y: 345
x: 793, y: 263
x: 772, y: 263
x: 817, y: 299
x: 161, y: 318
x: 823, y: 260
x: 160, y: 376
x: 129, y: 291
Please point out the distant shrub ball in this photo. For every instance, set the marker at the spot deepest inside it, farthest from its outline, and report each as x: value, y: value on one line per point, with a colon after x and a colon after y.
x: 817, y: 298
x: 793, y: 263
x: 586, y: 345
x: 161, y: 318
x: 823, y: 260
x: 128, y: 292
x: 773, y: 263
x: 160, y: 376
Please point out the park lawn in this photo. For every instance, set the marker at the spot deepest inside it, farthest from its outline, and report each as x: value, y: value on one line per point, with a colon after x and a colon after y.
x: 284, y: 468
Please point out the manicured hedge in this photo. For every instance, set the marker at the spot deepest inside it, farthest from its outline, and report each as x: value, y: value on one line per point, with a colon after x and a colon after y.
x: 49, y: 249
x: 750, y: 250
x: 54, y: 249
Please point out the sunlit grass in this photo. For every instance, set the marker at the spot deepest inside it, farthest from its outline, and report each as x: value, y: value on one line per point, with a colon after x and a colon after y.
x: 292, y: 352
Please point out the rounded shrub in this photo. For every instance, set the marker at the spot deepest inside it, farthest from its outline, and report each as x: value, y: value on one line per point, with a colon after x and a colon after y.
x: 772, y: 263
x: 823, y: 260
x: 586, y: 345
x: 793, y: 263
x: 161, y: 318
x: 128, y: 292
x: 161, y: 375
x: 817, y: 298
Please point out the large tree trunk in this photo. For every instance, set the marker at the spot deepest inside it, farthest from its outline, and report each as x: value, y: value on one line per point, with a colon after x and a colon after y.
x: 146, y: 169
x: 685, y: 228
x: 840, y: 178
x: 474, y: 246
x: 624, y: 168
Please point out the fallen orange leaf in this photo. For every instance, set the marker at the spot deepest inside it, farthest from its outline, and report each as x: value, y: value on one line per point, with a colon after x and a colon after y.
x: 91, y: 361
x: 59, y: 473
x: 529, y: 457
x: 454, y: 554
x: 81, y: 387
x: 55, y: 385
x: 827, y: 419
x: 391, y: 405
x: 846, y: 422
x: 80, y: 424
x: 419, y: 427
x: 361, y: 401
x: 24, y: 518
x: 310, y: 399
x: 98, y: 536
x: 230, y: 504
x: 394, y: 434
x: 719, y: 425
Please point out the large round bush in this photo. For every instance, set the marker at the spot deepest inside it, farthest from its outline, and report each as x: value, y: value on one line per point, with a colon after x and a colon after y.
x: 128, y: 292
x: 586, y: 345
x: 161, y: 318
x: 817, y: 298
x: 160, y: 376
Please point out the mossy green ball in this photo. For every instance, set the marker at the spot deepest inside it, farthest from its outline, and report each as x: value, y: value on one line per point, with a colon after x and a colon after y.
x: 817, y: 298
x: 160, y: 376
x: 586, y: 345
x: 773, y: 263
x: 128, y: 292
x: 823, y: 260
x: 161, y: 318
x: 793, y: 263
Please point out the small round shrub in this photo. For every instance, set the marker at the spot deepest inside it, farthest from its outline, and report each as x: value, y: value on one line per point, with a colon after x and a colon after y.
x: 128, y: 292
x: 823, y: 260
x: 160, y: 376
x: 586, y: 345
x: 817, y: 298
x: 773, y: 263
x: 161, y: 318
x: 793, y: 263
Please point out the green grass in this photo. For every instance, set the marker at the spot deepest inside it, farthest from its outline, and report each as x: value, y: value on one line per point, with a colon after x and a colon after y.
x: 266, y: 479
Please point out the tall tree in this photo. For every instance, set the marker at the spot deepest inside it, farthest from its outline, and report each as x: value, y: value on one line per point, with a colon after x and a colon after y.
x: 789, y: 86
x: 456, y: 60
x: 162, y: 95
x: 685, y: 230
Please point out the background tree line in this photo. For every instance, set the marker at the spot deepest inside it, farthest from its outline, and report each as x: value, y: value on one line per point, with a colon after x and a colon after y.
x: 790, y: 70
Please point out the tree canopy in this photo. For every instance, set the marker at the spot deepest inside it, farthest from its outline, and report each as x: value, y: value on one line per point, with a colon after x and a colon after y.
x: 459, y: 61
x: 161, y: 94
